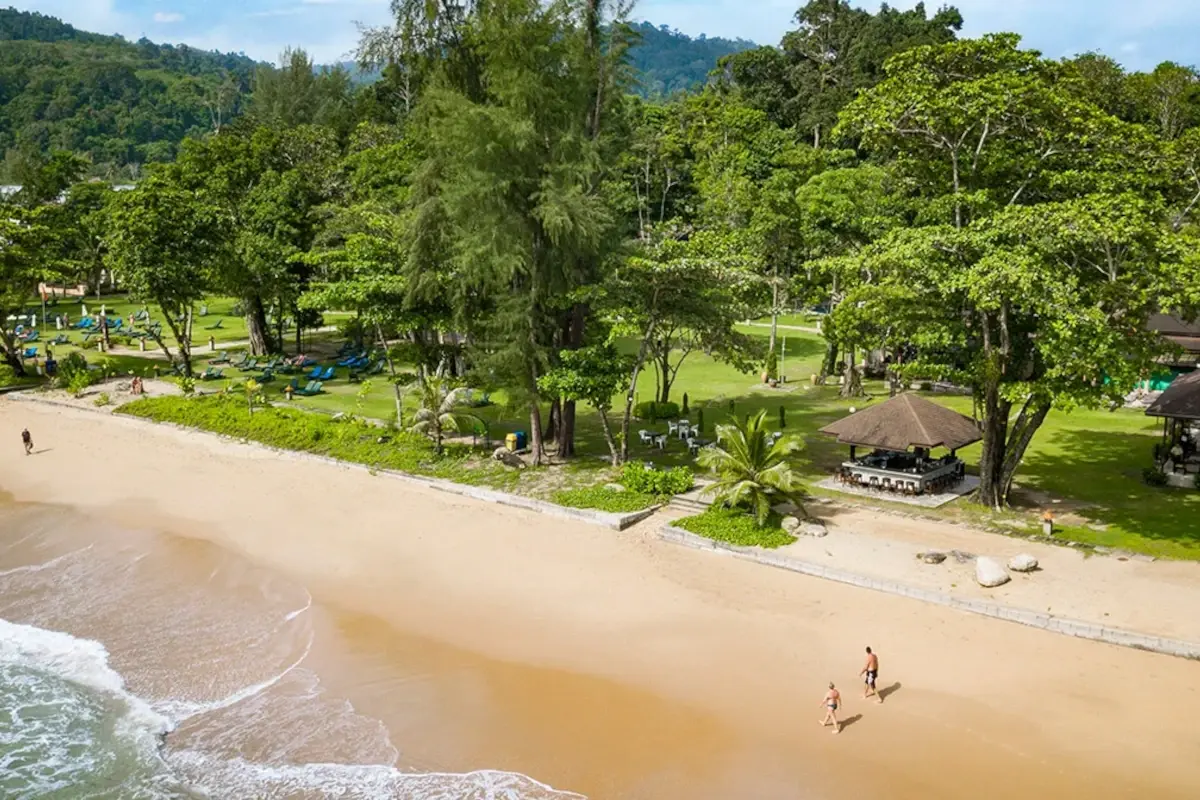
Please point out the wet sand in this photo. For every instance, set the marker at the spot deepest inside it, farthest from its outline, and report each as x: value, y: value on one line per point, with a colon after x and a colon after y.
x: 617, y: 666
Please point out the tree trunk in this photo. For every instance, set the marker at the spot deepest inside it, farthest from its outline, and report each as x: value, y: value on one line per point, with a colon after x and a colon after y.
x: 1033, y: 414
x: 299, y: 338
x: 387, y: 354
x: 829, y: 363
x: 566, y: 433
x: 256, y: 325
x: 12, y: 356
x: 664, y: 367
x: 771, y: 341
x: 551, y: 431
x: 995, y: 440
x: 633, y: 380
x: 608, y: 437
x: 852, y: 385
x: 535, y: 433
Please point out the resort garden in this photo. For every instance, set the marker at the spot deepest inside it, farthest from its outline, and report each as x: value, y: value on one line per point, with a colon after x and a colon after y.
x: 646, y: 295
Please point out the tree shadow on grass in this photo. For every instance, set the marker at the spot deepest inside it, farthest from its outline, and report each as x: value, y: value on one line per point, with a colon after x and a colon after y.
x: 1103, y: 471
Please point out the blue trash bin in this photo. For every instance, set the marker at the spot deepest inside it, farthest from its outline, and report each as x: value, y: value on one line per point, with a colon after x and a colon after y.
x: 520, y: 440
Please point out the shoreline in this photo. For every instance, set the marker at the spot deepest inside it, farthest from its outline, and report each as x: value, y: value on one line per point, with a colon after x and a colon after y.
x: 1153, y: 638
x: 751, y: 647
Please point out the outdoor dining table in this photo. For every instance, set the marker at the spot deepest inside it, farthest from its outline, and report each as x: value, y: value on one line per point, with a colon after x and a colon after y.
x: 916, y: 480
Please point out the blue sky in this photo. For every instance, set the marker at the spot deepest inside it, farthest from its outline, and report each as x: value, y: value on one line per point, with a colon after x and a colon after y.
x: 1139, y: 34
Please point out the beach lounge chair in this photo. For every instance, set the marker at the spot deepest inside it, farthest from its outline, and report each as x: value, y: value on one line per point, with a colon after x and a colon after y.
x: 60, y: 339
x: 211, y: 374
x: 86, y: 322
x: 29, y: 352
x: 32, y: 336
x: 215, y: 326
x: 252, y: 364
x: 243, y: 362
x: 293, y: 384
x: 313, y: 387
x: 327, y: 375
x: 267, y: 376
x: 222, y: 358
x: 316, y: 373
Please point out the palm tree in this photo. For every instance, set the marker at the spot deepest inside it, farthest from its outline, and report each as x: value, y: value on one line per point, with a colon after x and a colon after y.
x: 440, y: 412
x: 752, y: 468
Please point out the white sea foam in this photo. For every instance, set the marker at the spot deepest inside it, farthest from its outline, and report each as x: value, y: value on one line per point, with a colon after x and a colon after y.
x: 181, y: 710
x: 291, y: 615
x: 26, y: 568
x: 83, y: 662
x: 238, y: 778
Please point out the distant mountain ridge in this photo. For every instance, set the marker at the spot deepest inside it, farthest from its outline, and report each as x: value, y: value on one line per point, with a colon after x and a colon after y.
x: 667, y: 61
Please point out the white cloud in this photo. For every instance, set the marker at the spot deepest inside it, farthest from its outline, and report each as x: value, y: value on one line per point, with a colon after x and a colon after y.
x: 320, y: 2
x: 168, y: 16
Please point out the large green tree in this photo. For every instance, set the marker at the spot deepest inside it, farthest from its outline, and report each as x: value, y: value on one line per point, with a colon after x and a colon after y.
x: 836, y: 51
x: 510, y: 200
x: 1038, y: 255
x: 163, y: 241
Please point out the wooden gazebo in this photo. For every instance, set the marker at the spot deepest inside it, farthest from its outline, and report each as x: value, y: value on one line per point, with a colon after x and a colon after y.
x: 1179, y: 408
x: 892, y: 429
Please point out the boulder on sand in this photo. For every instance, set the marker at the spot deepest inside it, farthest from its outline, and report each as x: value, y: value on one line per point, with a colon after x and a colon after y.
x: 989, y: 572
x: 1023, y: 563
x: 813, y: 527
x: 790, y: 525
x: 932, y: 558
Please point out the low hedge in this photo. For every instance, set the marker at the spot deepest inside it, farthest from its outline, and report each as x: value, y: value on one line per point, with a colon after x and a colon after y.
x: 737, y: 527
x: 602, y: 498
x: 652, y: 411
x: 347, y: 440
x: 637, y: 477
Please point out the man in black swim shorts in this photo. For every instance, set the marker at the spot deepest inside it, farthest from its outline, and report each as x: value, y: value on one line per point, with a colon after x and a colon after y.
x: 870, y: 672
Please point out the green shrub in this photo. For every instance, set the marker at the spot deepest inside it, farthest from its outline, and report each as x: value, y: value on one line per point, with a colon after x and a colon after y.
x: 605, y: 499
x: 1154, y: 477
x: 102, y: 399
x: 8, y: 375
x: 637, y: 477
x: 653, y: 410
x: 737, y: 527
x: 293, y: 429
x: 78, y: 383
x: 772, y: 366
x: 187, y: 385
x: 685, y: 404
x: 71, y: 366
x: 1196, y: 481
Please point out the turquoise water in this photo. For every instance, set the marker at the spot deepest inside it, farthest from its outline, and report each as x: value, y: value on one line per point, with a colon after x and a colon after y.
x: 144, y: 667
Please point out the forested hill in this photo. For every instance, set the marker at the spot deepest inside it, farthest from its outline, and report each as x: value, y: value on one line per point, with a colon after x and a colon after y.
x: 118, y: 102
x: 668, y: 61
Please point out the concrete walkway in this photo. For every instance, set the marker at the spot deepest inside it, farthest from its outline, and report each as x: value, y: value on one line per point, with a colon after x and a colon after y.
x: 1046, y: 621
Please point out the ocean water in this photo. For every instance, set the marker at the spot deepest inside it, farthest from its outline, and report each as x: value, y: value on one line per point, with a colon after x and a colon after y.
x: 139, y: 665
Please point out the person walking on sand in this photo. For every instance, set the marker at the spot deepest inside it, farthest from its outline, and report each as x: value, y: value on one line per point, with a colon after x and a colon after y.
x: 831, y: 703
x: 27, y: 440
x: 869, y: 674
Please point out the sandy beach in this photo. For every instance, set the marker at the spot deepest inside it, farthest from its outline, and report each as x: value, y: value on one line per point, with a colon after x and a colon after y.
x: 626, y: 667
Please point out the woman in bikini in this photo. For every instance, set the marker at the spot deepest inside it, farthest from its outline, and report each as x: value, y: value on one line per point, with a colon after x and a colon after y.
x: 831, y: 703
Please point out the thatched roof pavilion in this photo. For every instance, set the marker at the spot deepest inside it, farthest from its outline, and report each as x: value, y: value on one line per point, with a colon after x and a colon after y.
x: 1180, y: 400
x: 904, y: 421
